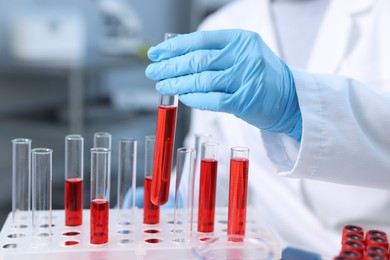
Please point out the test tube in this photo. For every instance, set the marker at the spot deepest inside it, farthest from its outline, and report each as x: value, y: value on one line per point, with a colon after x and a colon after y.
x: 207, y: 187
x: 200, y: 139
x: 100, y: 194
x: 151, y: 211
x: 21, y: 177
x: 74, y: 165
x: 165, y: 140
x: 41, y: 174
x: 102, y: 140
x: 127, y: 173
x: 238, y: 192
x: 184, y: 195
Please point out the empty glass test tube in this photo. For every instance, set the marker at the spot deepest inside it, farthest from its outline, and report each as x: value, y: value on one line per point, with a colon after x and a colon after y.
x: 165, y: 140
x: 184, y: 195
x: 41, y: 174
x: 151, y: 211
x: 102, y: 140
x: 207, y: 187
x: 100, y: 194
x: 74, y: 169
x: 238, y: 192
x: 21, y: 181
x: 127, y: 162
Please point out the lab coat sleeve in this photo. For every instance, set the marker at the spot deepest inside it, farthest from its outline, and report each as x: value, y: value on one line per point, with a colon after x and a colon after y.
x: 345, y: 137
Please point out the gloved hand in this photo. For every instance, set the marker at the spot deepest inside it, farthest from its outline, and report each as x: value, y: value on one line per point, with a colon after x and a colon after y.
x: 231, y: 71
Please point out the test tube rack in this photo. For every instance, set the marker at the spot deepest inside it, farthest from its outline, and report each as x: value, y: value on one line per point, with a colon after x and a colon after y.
x: 139, y: 241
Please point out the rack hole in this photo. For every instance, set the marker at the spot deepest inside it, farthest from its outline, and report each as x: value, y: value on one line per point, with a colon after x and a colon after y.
x: 204, y: 239
x: 16, y: 235
x: 124, y: 232
x: 46, y: 225
x: 124, y: 223
x: 224, y: 230
x: 178, y: 240
x: 153, y: 240
x: 222, y: 221
x: 19, y: 226
x: 10, y: 245
x: 71, y: 243
x: 125, y: 241
x: 177, y: 230
x: 172, y: 222
x: 152, y: 231
x: 71, y: 233
x: 43, y: 234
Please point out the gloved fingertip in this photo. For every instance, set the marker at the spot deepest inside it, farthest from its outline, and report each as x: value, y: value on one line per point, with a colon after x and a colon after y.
x: 152, y: 54
x: 152, y: 72
x: 163, y: 88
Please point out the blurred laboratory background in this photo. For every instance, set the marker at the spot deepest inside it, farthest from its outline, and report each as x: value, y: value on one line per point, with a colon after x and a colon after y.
x: 77, y: 67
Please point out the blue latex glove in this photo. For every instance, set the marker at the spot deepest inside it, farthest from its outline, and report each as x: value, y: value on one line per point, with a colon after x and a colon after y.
x: 230, y: 71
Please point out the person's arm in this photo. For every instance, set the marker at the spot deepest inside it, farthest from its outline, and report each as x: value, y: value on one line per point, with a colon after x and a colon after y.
x: 345, y: 137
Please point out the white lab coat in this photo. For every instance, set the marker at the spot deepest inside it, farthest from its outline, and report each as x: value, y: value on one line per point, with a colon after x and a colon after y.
x: 346, y: 124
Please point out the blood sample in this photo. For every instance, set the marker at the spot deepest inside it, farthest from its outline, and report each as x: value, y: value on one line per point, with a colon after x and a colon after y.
x: 356, y: 246
x: 350, y: 254
x: 377, y: 250
x: 74, y: 165
x: 163, y: 153
x: 352, y: 237
x: 377, y: 233
x: 99, y: 221
x: 100, y: 194
x: 353, y: 229
x: 200, y: 139
x: 238, y: 191
x: 165, y: 140
x: 151, y: 211
x: 377, y: 241
x: 21, y: 180
x: 207, y: 187
x: 73, y: 202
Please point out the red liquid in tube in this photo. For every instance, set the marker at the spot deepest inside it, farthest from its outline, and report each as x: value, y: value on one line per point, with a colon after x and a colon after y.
x: 99, y: 221
x: 163, y: 154
x: 73, y: 202
x: 151, y: 211
x: 207, y: 193
x: 238, y: 190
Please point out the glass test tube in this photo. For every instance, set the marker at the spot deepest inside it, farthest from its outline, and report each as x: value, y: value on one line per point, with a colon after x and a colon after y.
x: 200, y: 139
x: 207, y: 187
x: 21, y: 177
x: 74, y: 165
x: 151, y: 211
x: 238, y: 191
x: 165, y: 140
x: 100, y: 194
x: 184, y: 195
x: 41, y: 174
x: 102, y: 140
x: 127, y: 162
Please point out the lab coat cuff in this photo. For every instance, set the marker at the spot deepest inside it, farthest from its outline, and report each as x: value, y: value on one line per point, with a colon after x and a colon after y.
x: 313, y: 125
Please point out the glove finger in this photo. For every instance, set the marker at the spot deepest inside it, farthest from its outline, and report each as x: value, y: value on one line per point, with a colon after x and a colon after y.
x: 186, y: 43
x: 190, y: 63
x: 212, y: 101
x: 204, y: 82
